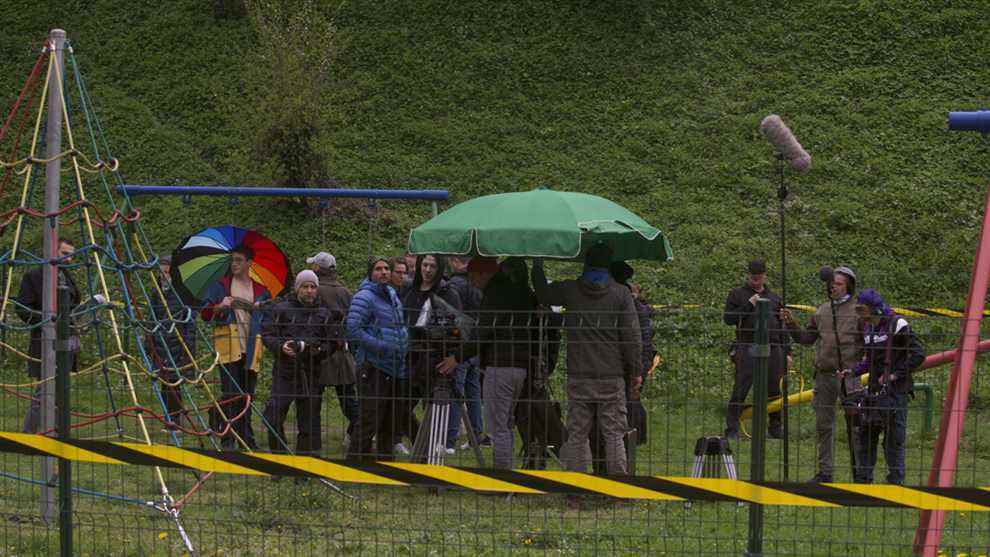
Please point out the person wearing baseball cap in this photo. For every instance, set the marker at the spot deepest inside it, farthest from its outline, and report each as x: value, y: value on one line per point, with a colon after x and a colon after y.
x: 740, y: 312
x: 334, y: 295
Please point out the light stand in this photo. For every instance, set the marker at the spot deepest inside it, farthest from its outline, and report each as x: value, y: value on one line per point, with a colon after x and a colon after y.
x: 781, y: 197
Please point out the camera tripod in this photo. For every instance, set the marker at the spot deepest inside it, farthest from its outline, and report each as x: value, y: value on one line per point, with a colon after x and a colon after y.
x: 430, y: 446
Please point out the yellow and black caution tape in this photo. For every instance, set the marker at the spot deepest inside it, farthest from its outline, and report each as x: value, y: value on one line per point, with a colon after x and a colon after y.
x: 533, y: 482
x: 906, y: 311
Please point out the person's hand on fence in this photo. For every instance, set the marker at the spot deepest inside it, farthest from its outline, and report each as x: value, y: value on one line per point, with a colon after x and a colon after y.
x: 226, y: 302
x: 446, y: 365
x: 289, y: 348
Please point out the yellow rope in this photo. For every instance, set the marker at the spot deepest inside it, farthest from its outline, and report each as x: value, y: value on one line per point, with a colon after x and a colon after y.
x: 81, y: 373
x: 24, y: 189
x: 23, y: 356
x: 103, y: 281
x: 89, y: 165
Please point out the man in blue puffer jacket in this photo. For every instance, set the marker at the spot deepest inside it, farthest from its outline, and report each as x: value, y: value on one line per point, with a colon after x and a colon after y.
x: 376, y: 329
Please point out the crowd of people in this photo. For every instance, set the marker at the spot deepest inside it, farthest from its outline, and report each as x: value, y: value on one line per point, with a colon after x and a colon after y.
x: 482, y: 336
x: 854, y: 335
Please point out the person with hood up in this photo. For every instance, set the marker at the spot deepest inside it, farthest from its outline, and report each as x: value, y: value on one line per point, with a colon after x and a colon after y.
x: 891, y: 354
x: 376, y: 331
x: 604, y: 347
x: 173, y: 344
x: 301, y: 335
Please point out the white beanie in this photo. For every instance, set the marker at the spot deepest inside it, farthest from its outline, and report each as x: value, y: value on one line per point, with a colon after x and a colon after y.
x: 305, y: 276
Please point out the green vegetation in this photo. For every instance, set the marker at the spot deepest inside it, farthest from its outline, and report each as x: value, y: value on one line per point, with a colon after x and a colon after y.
x: 655, y: 105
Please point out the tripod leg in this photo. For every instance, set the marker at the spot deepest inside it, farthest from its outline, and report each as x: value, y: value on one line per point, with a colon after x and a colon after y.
x: 419, y: 451
x: 632, y: 436
x: 472, y: 436
x: 851, y: 441
x: 438, y: 434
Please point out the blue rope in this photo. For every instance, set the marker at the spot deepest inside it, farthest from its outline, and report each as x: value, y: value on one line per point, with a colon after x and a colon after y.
x: 82, y: 491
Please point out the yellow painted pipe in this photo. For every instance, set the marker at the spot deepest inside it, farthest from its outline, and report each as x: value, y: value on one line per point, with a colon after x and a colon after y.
x: 935, y: 360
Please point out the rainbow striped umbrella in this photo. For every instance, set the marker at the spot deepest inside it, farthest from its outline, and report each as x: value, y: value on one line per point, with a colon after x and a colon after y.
x: 204, y: 257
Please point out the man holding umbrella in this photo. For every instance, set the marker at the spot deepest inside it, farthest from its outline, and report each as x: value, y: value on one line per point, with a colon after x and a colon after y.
x: 603, y: 356
x: 232, y: 304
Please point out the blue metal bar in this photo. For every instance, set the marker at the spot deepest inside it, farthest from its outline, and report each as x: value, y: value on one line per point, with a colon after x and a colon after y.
x: 231, y: 191
x: 978, y: 121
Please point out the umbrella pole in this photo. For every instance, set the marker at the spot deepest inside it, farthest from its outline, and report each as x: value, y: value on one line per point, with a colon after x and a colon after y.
x: 781, y: 198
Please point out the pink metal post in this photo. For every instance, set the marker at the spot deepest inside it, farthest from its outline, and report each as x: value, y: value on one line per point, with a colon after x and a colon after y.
x: 929, y: 533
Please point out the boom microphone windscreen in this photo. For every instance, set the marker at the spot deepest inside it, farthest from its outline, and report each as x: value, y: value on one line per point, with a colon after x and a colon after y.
x: 780, y: 136
x: 825, y: 274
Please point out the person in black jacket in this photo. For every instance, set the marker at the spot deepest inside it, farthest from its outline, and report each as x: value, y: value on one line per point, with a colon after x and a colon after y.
x: 299, y: 335
x: 176, y: 326
x: 740, y: 311
x: 434, y: 350
x: 29, y: 299
x: 506, y: 343
x: 891, y: 354
x: 467, y: 375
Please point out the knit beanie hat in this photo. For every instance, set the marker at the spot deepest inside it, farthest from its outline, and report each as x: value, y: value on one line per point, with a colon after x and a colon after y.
x: 304, y: 277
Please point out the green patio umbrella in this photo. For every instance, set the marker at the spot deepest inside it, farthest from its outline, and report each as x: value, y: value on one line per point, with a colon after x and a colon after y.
x: 539, y: 223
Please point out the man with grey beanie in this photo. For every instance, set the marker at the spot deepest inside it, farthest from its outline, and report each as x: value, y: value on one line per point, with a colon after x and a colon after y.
x: 300, y: 335
x: 834, y: 330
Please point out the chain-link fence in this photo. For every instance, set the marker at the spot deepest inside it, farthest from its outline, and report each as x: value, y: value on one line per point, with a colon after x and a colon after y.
x: 511, y: 371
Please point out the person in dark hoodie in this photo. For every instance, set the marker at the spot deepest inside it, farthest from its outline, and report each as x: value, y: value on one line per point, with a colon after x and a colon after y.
x: 300, y: 335
x: 29, y: 309
x: 892, y: 352
x: 377, y: 332
x: 434, y: 351
x: 603, y: 356
x: 467, y: 375
x: 173, y: 343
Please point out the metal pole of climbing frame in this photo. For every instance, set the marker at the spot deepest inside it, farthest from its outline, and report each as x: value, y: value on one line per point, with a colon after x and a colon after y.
x: 53, y: 145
